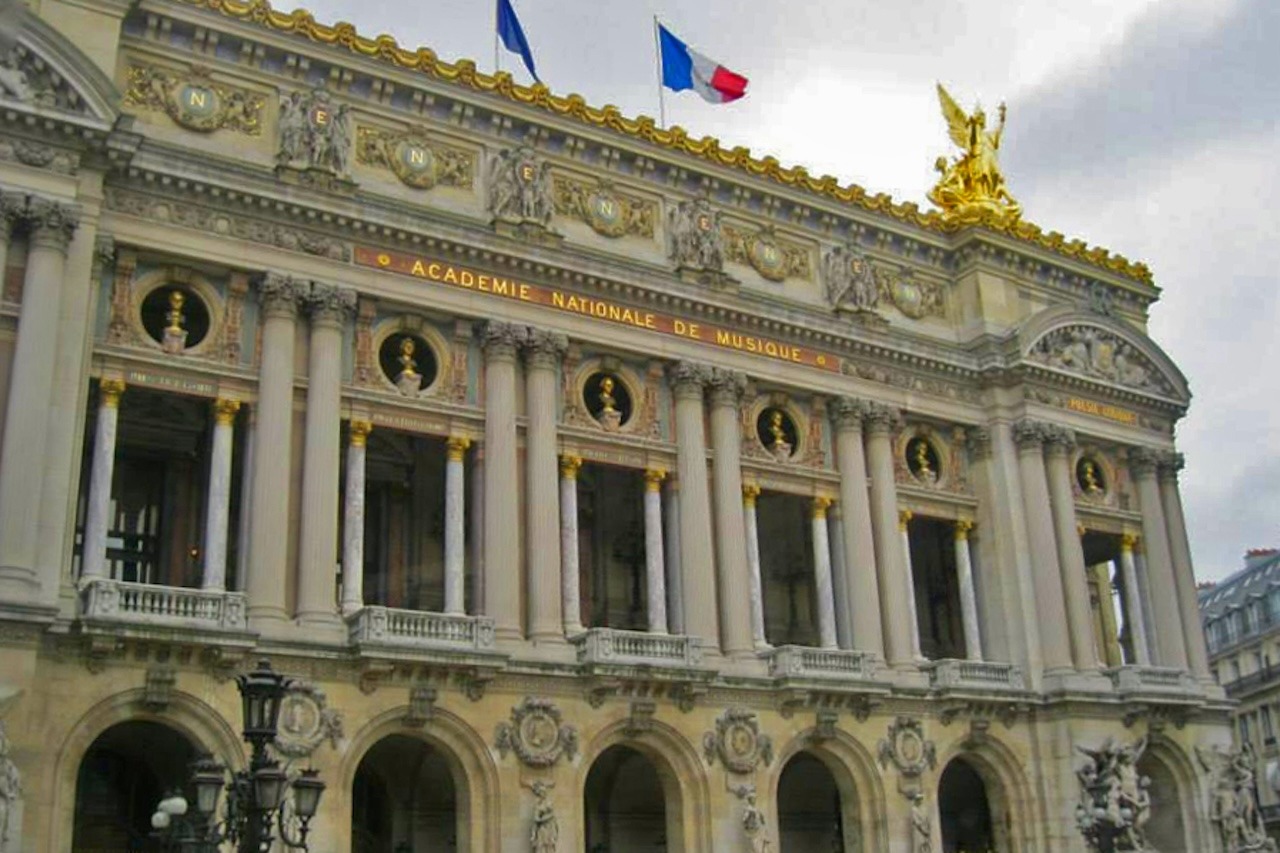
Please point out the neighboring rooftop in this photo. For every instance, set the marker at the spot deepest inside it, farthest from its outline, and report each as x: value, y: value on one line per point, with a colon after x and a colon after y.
x: 385, y: 48
x: 1261, y: 570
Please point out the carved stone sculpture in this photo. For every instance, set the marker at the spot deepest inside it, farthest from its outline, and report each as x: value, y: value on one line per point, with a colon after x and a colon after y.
x: 907, y: 749
x: 10, y: 796
x: 537, y: 733
x: 1115, y: 804
x: 849, y: 280
x: 545, y: 835
x: 694, y: 239
x: 314, y: 133
x: 520, y: 189
x: 1098, y: 354
x: 1233, y: 804
x: 921, y: 825
x: 306, y: 721
x: 754, y: 824
x: 738, y: 742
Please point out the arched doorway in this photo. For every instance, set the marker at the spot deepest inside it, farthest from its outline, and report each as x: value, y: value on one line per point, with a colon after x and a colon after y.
x: 404, y: 799
x: 121, y: 779
x: 625, y: 805
x: 810, y: 816
x: 965, y: 811
x: 1165, y: 829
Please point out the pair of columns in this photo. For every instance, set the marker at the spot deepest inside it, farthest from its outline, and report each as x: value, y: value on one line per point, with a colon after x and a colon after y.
x: 102, y: 469
x: 655, y: 563
x: 454, y: 521
x: 33, y: 389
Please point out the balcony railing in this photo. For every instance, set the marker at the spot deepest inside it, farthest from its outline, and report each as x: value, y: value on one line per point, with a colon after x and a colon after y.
x: 953, y: 674
x: 1152, y: 679
x: 416, y: 629
x: 806, y: 662
x: 105, y: 600
x: 637, y: 648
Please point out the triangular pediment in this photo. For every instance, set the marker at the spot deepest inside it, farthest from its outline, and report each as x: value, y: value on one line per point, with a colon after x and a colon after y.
x: 44, y: 73
x: 1101, y: 349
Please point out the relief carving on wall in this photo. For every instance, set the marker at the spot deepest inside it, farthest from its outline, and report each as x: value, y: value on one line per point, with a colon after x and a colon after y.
x: 26, y: 77
x: 536, y: 733
x: 1099, y: 354
x: 907, y: 748
x: 316, y: 134
x: 1115, y: 805
x: 10, y: 797
x: 608, y: 211
x: 914, y: 298
x: 738, y: 742
x: 849, y: 281
x: 520, y: 188
x: 416, y: 159
x: 306, y: 721
x: 1233, y: 803
x: 193, y: 100
x: 773, y: 257
x: 695, y: 242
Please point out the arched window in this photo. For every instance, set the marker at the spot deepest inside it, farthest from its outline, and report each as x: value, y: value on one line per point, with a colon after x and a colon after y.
x: 403, y: 799
x: 625, y: 805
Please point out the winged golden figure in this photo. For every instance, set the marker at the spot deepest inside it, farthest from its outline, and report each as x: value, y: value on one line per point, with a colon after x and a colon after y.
x: 971, y: 188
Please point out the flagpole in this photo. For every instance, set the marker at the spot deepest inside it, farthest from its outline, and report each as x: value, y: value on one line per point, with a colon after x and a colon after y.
x: 497, y: 65
x: 657, y: 46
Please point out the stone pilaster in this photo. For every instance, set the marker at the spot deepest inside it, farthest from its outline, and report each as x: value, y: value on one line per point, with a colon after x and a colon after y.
x: 353, y: 518
x: 330, y: 307
x: 97, y: 522
x: 218, y: 499
x: 727, y: 388
x: 822, y: 586
x: 655, y: 566
x: 697, y: 557
x: 1060, y: 442
x: 1051, y: 608
x: 570, y: 574
x: 750, y: 492
x: 1170, y: 635
x: 269, y: 478
x: 968, y: 594
x: 455, y: 525
x: 543, y: 353
x: 893, y: 568
x: 31, y: 388
x: 501, y: 500
x: 860, y: 578
x: 1183, y: 572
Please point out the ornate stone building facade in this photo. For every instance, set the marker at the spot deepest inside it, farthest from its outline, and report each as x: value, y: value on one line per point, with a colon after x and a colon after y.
x: 604, y: 488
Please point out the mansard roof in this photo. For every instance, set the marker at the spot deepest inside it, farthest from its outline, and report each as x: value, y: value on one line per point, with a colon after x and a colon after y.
x: 464, y: 73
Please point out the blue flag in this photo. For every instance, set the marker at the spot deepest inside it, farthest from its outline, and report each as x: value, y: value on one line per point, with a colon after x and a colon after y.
x: 512, y: 35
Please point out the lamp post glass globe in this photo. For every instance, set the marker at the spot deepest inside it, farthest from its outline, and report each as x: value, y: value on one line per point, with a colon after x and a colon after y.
x: 307, y: 789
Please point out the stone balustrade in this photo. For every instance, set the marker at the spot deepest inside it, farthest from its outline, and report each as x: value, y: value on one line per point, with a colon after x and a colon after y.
x: 413, y: 630
x: 613, y: 646
x: 104, y: 600
x: 807, y: 662
x: 974, y: 675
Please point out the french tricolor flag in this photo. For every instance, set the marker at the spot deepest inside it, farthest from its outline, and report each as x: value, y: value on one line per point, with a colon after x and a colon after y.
x: 685, y: 68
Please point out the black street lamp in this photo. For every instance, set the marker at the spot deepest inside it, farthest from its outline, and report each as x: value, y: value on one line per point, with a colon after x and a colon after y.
x: 257, y: 798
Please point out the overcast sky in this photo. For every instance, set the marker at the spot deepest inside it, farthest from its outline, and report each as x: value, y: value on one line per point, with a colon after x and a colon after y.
x: 1151, y: 127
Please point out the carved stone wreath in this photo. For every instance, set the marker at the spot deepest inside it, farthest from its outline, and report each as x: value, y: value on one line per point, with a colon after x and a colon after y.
x: 195, y: 101
x: 738, y: 742
x: 417, y: 160
x: 537, y: 734
x: 907, y: 749
x: 305, y: 722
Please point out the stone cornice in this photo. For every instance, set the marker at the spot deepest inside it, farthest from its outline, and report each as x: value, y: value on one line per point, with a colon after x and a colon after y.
x: 463, y: 76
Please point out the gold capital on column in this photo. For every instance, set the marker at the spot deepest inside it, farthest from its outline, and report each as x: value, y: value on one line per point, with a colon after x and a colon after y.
x: 224, y: 411
x: 820, y: 505
x: 963, y: 526
x: 569, y: 466
x: 1128, y: 542
x: 1081, y: 530
x: 653, y: 478
x: 360, y: 432
x: 904, y: 516
x: 457, y: 445
x: 750, y: 491
x: 111, y: 389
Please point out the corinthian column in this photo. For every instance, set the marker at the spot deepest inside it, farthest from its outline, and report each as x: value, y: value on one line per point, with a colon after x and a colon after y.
x: 697, y: 559
x: 892, y: 559
x: 904, y: 530
x: 570, y: 578
x: 749, y: 494
x: 94, y: 550
x: 731, y: 564
x: 655, y: 567
x: 318, y: 549
x: 455, y: 526
x: 543, y: 351
x: 1075, y: 583
x: 1051, y: 609
x: 862, y: 588
x: 22, y: 455
x: 1135, y: 619
x: 269, y: 479
x: 968, y: 596
x: 823, y: 589
x: 501, y: 498
x: 1170, y: 636
x: 218, y: 509
x: 1183, y: 573
x: 353, y: 519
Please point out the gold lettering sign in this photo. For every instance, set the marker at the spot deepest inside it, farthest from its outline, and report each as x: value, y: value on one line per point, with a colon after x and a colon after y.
x: 588, y: 306
x: 1102, y: 410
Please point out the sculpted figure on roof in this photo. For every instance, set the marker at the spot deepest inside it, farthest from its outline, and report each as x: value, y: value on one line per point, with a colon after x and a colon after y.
x: 972, y: 188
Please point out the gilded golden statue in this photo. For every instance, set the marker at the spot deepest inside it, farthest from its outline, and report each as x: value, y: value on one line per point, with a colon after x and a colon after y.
x: 972, y: 189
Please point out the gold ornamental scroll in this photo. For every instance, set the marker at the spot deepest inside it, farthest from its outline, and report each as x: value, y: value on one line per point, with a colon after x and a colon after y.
x: 504, y: 287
